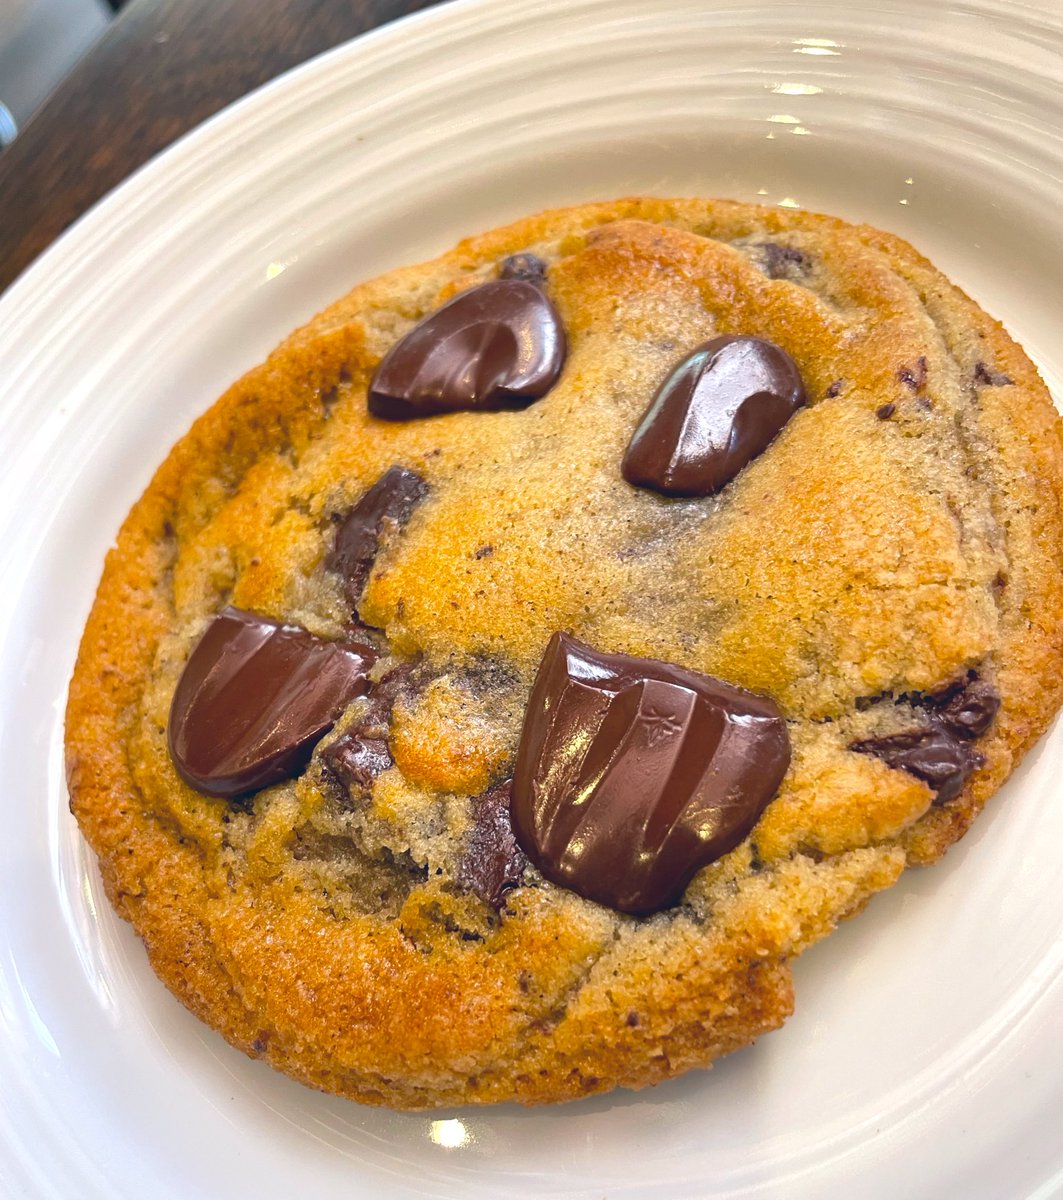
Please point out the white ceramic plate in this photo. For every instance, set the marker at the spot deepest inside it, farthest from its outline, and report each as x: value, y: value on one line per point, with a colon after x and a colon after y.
x: 925, y: 1058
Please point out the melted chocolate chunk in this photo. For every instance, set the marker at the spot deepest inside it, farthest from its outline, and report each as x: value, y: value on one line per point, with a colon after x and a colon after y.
x: 493, y: 863
x: 969, y: 710
x: 986, y: 375
x: 717, y: 410
x: 254, y: 698
x: 934, y: 755
x: 939, y: 754
x: 529, y: 267
x: 499, y: 345
x: 633, y: 774
x: 356, y: 761
x: 362, y: 753
x: 390, y: 500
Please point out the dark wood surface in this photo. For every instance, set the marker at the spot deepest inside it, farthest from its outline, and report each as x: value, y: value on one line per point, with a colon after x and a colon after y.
x: 161, y: 68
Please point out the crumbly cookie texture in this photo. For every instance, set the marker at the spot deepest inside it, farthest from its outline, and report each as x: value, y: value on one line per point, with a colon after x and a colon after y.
x: 902, y: 532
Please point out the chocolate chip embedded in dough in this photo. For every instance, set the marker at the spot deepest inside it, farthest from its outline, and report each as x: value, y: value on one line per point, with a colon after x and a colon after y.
x: 496, y: 346
x: 970, y: 712
x: 717, y: 410
x: 934, y: 755
x: 391, y: 499
x: 356, y: 761
x: 914, y: 377
x: 782, y: 262
x: 985, y: 374
x: 493, y: 863
x: 632, y: 774
x: 362, y: 752
x: 254, y: 698
x: 940, y: 754
x: 526, y: 266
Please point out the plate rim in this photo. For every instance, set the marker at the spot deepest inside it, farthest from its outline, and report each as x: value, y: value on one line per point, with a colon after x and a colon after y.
x: 102, y: 211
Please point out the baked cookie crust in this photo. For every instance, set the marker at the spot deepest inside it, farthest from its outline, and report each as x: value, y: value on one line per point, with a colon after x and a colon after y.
x: 902, y: 533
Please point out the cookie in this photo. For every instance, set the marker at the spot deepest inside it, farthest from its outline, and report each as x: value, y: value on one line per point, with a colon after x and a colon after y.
x: 498, y: 687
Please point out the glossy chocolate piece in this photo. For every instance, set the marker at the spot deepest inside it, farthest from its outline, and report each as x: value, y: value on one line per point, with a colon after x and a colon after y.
x: 355, y: 761
x: 632, y: 774
x: 498, y: 345
x: 529, y: 267
x: 970, y: 712
x: 933, y: 754
x: 362, y: 752
x: 390, y: 500
x: 254, y: 698
x: 493, y: 863
x: 719, y: 408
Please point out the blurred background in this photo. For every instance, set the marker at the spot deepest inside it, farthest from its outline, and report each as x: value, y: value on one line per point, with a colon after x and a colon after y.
x: 92, y: 89
x: 40, y: 40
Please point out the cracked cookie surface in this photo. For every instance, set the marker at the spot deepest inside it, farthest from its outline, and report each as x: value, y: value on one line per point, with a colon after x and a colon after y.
x: 369, y: 926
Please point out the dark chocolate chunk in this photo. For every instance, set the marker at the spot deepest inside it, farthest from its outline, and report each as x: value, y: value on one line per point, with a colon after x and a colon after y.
x: 493, y: 863
x: 529, y: 267
x: 782, y: 262
x: 933, y: 754
x: 391, y: 499
x: 632, y: 774
x: 939, y: 754
x: 399, y: 681
x: 362, y: 752
x: 986, y: 375
x: 719, y: 408
x: 356, y: 761
x: 499, y: 345
x: 914, y: 377
x: 254, y: 698
x: 971, y: 711
x: 885, y: 411
x: 835, y: 389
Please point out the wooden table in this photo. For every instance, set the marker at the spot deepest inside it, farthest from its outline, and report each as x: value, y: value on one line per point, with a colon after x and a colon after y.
x: 161, y: 68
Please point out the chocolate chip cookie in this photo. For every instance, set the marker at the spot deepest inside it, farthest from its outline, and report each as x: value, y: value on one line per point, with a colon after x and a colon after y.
x: 501, y: 684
